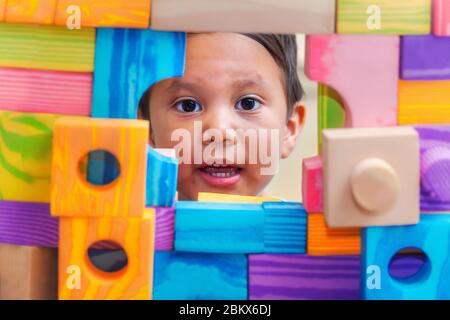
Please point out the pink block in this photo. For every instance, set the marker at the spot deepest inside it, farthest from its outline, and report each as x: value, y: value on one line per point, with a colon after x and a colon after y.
x: 312, y: 184
x: 364, y: 70
x: 441, y: 17
x: 38, y: 91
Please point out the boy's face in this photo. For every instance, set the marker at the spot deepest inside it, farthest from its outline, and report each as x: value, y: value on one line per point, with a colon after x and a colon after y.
x: 230, y: 82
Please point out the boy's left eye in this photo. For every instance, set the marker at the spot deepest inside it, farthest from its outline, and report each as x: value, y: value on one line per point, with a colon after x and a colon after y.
x: 248, y: 104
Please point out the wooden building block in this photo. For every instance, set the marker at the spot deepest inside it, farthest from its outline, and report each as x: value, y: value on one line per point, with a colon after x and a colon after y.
x: 164, y: 228
x: 233, y: 198
x: 285, y: 16
x: 71, y: 194
x: 134, y: 235
x: 383, y: 16
x: 128, y: 62
x: 380, y: 244
x: 106, y: 13
x: 28, y: 224
x: 330, y: 112
x: 46, y: 47
x: 55, y: 92
x: 31, y: 11
x: 441, y: 17
x: 199, y: 276
x: 351, y: 66
x: 2, y: 10
x: 423, y: 102
x: 425, y: 58
x: 25, y: 156
x: 371, y: 176
x: 28, y: 273
x: 312, y: 184
x: 325, y: 241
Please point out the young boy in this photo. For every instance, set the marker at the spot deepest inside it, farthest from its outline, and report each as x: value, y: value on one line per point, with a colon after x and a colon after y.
x: 231, y: 82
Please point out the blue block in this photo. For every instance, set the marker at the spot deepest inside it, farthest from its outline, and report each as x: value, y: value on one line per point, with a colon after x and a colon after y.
x: 380, y: 244
x: 194, y: 276
x: 127, y: 63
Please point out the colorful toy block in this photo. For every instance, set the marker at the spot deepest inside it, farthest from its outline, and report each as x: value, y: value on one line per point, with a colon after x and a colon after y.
x: 25, y: 156
x: 324, y: 241
x: 106, y: 13
x: 312, y: 184
x: 441, y: 17
x: 28, y: 224
x: 379, y: 246
x: 425, y: 58
x: 423, y: 102
x: 128, y: 62
x: 45, y: 91
x: 189, y: 276
x: 28, y: 273
x: 233, y: 198
x: 371, y: 176
x: 247, y: 16
x: 351, y: 66
x: 47, y: 47
x: 164, y: 229
x: 72, y: 195
x: 2, y: 9
x: 80, y: 279
x: 330, y: 110
x: 31, y: 11
x: 383, y: 16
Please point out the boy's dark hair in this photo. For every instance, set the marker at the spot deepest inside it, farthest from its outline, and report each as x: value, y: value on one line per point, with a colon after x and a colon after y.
x: 283, y: 48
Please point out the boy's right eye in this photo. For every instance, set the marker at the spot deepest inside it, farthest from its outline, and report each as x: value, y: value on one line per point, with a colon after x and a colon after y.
x: 188, y: 106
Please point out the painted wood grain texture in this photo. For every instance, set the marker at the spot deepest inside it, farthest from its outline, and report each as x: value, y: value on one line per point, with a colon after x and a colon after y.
x: 351, y: 66
x: 107, y: 13
x: 54, y: 92
x: 312, y: 184
x: 31, y: 11
x: 311, y: 17
x: 330, y: 112
x: 74, y: 138
x: 46, y: 47
x: 198, y: 276
x: 396, y: 16
x: 28, y: 224
x: 135, y: 235
x: 423, y: 102
x: 25, y: 156
x: 128, y: 62
x: 165, y: 227
x: 441, y: 17
x: 324, y: 241
x: 28, y: 273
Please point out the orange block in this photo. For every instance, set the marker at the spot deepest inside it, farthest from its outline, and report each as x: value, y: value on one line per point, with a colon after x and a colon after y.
x: 79, y: 279
x: 324, y: 241
x: 105, y: 13
x: 71, y: 194
x: 2, y: 9
x: 30, y: 11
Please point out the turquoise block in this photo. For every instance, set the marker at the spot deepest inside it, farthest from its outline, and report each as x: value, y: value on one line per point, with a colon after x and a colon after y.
x: 194, y: 276
x: 380, y: 244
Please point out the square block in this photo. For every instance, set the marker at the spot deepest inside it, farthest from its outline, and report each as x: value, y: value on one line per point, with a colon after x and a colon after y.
x: 134, y: 235
x: 371, y: 176
x: 224, y: 198
x: 441, y: 17
x: 31, y: 11
x: 74, y: 138
x: 312, y: 184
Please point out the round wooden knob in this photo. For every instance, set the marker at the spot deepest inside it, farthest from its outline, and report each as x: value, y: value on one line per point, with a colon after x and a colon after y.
x: 375, y: 185
x: 435, y: 173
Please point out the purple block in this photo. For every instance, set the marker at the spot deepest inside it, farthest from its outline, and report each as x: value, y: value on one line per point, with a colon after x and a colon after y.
x: 28, y: 224
x: 164, y: 229
x: 425, y: 58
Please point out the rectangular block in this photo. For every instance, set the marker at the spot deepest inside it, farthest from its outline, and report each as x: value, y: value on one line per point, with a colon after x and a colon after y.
x: 2, y: 9
x: 383, y: 16
x: 441, y: 17
x: 105, y: 13
x: 425, y: 58
x: 317, y: 17
x: 330, y: 110
x: 125, y: 140
x: 224, y: 198
x: 31, y: 11
x: 164, y: 229
x: 199, y: 276
x: 423, y: 102
x: 28, y: 273
x: 312, y: 184
x: 55, y: 92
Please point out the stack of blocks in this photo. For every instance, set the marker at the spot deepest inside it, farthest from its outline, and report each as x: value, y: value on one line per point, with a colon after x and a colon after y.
x: 71, y: 77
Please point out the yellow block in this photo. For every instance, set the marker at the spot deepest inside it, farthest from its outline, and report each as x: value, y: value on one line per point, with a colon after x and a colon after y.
x: 31, y: 11
x: 73, y: 139
x: 79, y: 279
x: 222, y: 197
x: 423, y: 102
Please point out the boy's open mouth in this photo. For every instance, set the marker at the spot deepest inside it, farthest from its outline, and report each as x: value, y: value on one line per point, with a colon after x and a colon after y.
x: 220, y: 175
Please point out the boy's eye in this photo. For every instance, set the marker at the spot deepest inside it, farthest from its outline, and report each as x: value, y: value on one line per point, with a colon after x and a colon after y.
x: 248, y: 104
x: 188, y: 105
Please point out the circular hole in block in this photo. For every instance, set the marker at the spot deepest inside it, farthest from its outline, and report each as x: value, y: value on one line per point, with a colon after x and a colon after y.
x: 99, y: 168
x: 107, y: 256
x: 409, y: 265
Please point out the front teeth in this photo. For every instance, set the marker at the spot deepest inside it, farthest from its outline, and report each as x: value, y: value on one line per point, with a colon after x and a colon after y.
x: 222, y: 174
